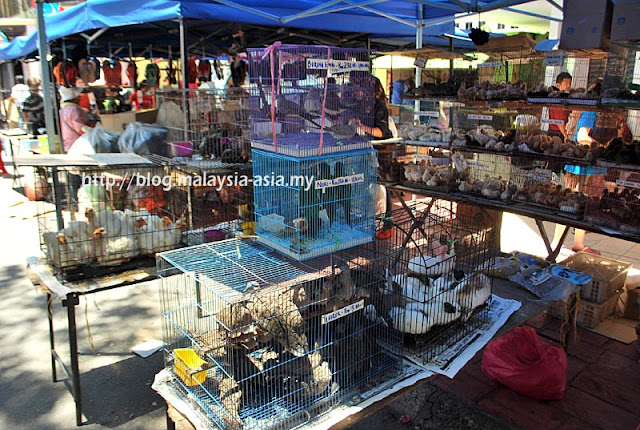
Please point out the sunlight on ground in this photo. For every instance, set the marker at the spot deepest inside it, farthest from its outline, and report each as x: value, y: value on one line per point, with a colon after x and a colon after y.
x: 516, y: 235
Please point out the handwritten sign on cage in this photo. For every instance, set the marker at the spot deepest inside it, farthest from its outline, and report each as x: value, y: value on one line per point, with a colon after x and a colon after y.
x: 430, y: 113
x: 628, y: 183
x: 420, y: 62
x: 552, y: 121
x: 480, y: 117
x: 492, y: 64
x: 327, y: 318
x: 553, y: 58
x: 338, y: 66
x: 322, y: 184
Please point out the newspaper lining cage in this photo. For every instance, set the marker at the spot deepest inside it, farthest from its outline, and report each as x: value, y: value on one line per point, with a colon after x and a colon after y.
x: 436, y: 275
x: 269, y: 342
x: 102, y: 212
x: 304, y: 99
x: 216, y: 127
x: 307, y: 207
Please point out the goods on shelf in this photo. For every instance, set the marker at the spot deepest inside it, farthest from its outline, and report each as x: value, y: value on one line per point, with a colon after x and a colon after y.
x: 484, y: 137
x: 304, y: 98
x: 487, y: 90
x: 486, y: 175
x: 430, y: 173
x: 622, y: 77
x: 424, y: 133
x: 274, y: 343
x: 306, y: 207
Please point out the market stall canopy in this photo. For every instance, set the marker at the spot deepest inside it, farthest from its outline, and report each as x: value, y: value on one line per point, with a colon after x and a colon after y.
x: 517, y: 46
x: 376, y: 17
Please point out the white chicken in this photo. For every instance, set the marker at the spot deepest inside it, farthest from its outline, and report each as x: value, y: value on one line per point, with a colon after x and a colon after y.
x: 151, y: 234
x: 410, y: 288
x: 76, y: 241
x: 173, y: 232
x: 432, y: 266
x: 115, y: 235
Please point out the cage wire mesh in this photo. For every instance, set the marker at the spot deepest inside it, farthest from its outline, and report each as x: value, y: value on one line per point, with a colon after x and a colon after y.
x: 485, y: 175
x: 314, y: 93
x: 436, y: 291
x: 307, y: 207
x: 272, y: 343
x: 212, y: 123
x: 614, y: 199
x: 512, y: 67
x: 93, y: 219
x: 622, y: 75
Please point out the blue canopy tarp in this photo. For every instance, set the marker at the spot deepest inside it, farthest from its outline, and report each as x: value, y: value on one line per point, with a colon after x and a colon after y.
x: 380, y: 18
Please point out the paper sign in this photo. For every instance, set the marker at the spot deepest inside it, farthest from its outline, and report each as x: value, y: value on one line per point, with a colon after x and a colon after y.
x: 327, y: 318
x: 553, y: 58
x: 552, y: 121
x: 338, y: 65
x: 480, y: 117
x: 431, y: 113
x: 420, y: 62
x: 628, y: 184
x: 492, y: 64
x: 336, y: 182
x: 478, y: 164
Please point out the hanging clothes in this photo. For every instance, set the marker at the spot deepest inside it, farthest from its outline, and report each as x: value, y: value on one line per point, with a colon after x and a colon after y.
x: 65, y: 73
x: 95, y: 66
x: 152, y: 75
x: 238, y: 72
x: 112, y: 72
x: 193, y: 71
x: 171, y: 74
x: 87, y: 74
x: 218, y: 69
x: 204, y: 69
x: 132, y: 73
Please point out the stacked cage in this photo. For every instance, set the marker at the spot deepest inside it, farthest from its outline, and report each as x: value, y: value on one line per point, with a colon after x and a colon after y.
x: 255, y: 340
x: 586, y: 68
x: 435, y: 276
x: 215, y: 199
x: 307, y: 207
x: 614, y: 200
x: 93, y: 219
x: 211, y: 123
x: 622, y: 75
x: 305, y: 99
x: 481, y: 174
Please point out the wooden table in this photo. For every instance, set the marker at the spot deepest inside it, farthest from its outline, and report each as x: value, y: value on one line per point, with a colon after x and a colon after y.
x: 67, y: 294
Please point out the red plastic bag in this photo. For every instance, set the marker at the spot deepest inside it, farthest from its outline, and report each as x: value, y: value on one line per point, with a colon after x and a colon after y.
x: 526, y: 364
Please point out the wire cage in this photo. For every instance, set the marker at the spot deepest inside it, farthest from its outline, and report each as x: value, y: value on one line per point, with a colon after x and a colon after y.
x: 482, y: 174
x: 622, y: 75
x: 209, y: 123
x: 95, y: 219
x: 259, y: 341
x: 303, y: 99
x: 435, y: 275
x: 493, y: 129
x: 217, y: 203
x: 428, y: 168
x: 307, y: 207
x: 614, y: 199
x: 586, y: 68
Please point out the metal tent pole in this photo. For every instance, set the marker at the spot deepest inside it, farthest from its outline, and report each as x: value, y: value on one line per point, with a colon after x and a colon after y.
x: 184, y: 67
x: 49, y: 101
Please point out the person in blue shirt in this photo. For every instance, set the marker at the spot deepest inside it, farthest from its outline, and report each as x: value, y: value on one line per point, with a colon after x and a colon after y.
x: 399, y: 89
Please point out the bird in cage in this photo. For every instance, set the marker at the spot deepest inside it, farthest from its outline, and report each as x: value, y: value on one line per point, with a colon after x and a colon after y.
x: 76, y: 240
x: 473, y: 292
x: 434, y: 263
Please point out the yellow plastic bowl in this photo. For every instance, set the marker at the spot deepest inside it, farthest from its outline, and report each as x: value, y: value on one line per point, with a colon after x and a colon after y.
x: 249, y: 227
x: 186, y: 359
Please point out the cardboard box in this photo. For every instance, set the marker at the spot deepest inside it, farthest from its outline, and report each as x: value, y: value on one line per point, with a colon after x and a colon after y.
x: 586, y: 24
x: 629, y: 302
x: 626, y: 15
x: 119, y: 121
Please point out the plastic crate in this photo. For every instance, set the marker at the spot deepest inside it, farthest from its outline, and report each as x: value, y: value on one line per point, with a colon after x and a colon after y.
x: 589, y: 314
x: 609, y: 275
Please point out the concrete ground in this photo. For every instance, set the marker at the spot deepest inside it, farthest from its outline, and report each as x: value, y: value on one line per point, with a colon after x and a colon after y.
x: 116, y: 383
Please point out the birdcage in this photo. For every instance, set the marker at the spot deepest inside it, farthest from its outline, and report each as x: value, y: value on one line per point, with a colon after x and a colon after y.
x: 255, y: 340
x: 306, y: 207
x: 586, y: 68
x: 613, y: 199
x: 483, y: 174
x: 493, y: 129
x: 305, y: 99
x: 435, y: 275
x: 209, y: 123
x: 622, y: 75
x: 105, y: 212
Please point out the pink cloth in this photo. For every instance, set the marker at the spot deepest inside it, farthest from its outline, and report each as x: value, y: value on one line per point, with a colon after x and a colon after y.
x: 72, y: 119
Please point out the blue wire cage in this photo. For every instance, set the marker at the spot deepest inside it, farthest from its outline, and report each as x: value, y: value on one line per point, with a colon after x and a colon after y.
x: 255, y: 340
x: 307, y: 207
x: 304, y: 95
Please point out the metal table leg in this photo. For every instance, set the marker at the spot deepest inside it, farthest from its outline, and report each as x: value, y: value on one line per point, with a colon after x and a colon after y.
x: 71, y: 302
x: 51, y: 336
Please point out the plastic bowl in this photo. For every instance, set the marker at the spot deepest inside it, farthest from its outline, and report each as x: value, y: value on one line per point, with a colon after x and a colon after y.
x: 181, y: 149
x: 214, y: 235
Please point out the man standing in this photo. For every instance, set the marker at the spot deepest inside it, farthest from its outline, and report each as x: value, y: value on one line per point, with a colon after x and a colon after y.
x: 400, y: 88
x: 563, y: 83
x: 33, y: 108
